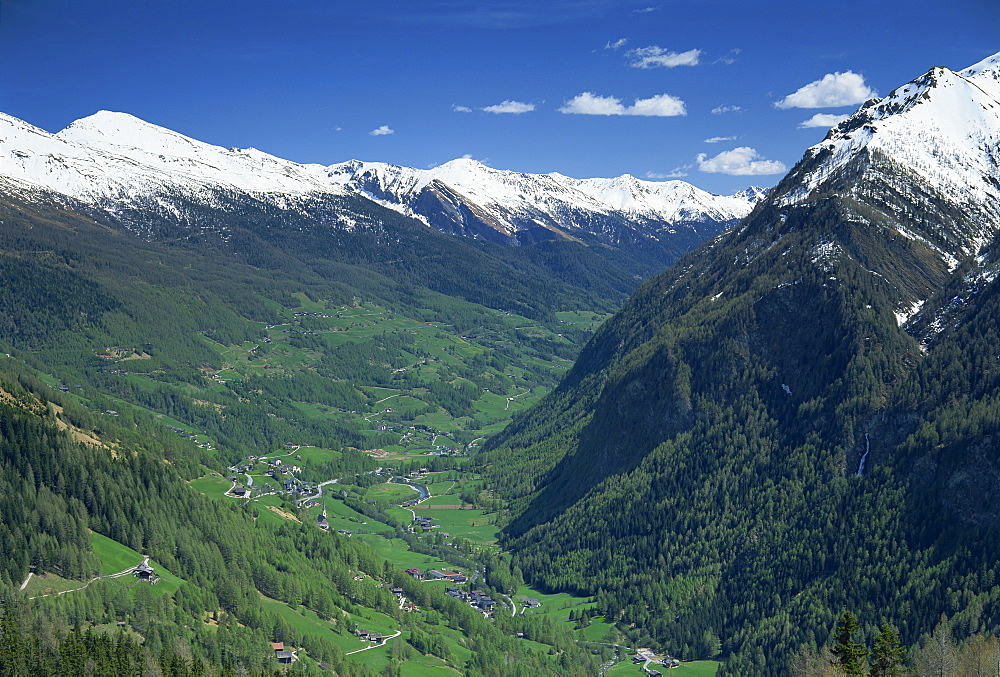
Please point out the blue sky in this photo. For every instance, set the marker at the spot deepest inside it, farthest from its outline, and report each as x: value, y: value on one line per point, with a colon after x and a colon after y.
x: 715, y: 92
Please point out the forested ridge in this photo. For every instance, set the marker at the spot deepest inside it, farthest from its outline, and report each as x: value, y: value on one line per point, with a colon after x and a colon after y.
x: 700, y: 470
x: 120, y: 354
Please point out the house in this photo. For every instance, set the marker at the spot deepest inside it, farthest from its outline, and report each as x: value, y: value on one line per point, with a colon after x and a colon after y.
x: 344, y: 531
x: 239, y: 490
x: 144, y: 572
x: 416, y: 573
x: 377, y: 638
x: 532, y: 603
x: 284, y: 656
x: 278, y: 646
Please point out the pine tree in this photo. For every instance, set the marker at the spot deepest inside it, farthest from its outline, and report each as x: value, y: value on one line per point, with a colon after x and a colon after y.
x: 848, y: 655
x: 888, y: 654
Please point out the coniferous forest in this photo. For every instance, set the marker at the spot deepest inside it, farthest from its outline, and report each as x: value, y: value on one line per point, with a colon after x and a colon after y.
x: 243, y: 435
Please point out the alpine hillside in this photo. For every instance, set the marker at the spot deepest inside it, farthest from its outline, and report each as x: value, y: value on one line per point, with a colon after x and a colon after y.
x: 127, y: 167
x: 799, y: 417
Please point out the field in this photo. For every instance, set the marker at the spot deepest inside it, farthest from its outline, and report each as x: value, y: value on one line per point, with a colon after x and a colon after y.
x: 414, y: 393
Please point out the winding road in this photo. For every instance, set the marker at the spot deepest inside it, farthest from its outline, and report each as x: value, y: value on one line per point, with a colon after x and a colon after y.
x: 382, y: 643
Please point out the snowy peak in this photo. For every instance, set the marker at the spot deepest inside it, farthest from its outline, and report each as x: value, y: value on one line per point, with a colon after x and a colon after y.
x: 985, y: 74
x: 117, y: 132
x: 942, y: 128
x: 112, y: 157
x: 115, y: 160
x: 508, y: 202
x: 917, y: 172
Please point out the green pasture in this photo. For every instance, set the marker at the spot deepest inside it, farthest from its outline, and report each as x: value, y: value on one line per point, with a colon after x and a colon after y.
x: 48, y: 584
x: 307, y: 621
x: 470, y: 524
x: 396, y: 552
x: 378, y: 658
x: 116, y: 557
x: 213, y: 486
x: 311, y: 455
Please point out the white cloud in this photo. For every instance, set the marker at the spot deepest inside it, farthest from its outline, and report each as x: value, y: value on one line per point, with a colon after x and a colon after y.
x: 729, y: 59
x: 382, y: 131
x: 823, y: 120
x: 719, y: 110
x: 508, y: 106
x: 657, y: 57
x: 717, y: 139
x: 645, y: 10
x: 588, y: 103
x: 617, y: 44
x: 743, y: 161
x: 834, y: 90
x: 460, y: 109
x: 675, y: 173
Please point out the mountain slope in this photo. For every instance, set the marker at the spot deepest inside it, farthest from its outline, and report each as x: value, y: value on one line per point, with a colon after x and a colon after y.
x: 755, y: 442
x: 125, y: 167
x: 466, y: 197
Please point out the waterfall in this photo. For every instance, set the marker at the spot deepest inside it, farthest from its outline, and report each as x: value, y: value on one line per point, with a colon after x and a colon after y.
x: 868, y: 447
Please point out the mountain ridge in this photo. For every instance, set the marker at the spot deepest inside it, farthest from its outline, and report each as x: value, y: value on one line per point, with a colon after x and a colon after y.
x: 111, y: 158
x: 699, y: 471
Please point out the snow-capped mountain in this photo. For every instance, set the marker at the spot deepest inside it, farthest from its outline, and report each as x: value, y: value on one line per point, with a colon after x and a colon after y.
x: 917, y: 174
x: 940, y: 136
x: 108, y: 158
x: 114, y: 161
x: 467, y: 197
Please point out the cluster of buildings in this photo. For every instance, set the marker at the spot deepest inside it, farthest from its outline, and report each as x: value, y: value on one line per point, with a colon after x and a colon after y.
x: 477, y: 599
x: 282, y: 654
x: 442, y: 450
x: 646, y: 656
x: 426, y: 523
x: 435, y: 575
x: 370, y: 636
x: 310, y: 314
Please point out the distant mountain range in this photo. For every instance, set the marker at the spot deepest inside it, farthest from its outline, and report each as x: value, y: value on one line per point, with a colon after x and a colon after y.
x: 801, y: 416
x: 114, y: 161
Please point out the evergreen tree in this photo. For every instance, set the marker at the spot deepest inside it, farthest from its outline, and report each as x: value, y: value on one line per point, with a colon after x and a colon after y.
x: 848, y: 655
x: 887, y: 655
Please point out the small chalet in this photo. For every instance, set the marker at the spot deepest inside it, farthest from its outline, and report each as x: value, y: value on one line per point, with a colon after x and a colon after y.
x: 416, y: 573
x: 532, y: 603
x: 344, y: 531
x: 284, y: 656
x: 239, y: 490
x: 144, y: 572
